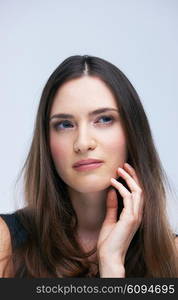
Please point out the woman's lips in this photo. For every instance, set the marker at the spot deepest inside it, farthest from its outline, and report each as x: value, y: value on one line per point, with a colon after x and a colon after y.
x: 88, y: 166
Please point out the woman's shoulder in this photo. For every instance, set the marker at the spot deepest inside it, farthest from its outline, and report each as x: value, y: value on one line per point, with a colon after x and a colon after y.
x: 5, y: 236
x: 11, y: 227
x: 5, y: 250
x: 176, y: 241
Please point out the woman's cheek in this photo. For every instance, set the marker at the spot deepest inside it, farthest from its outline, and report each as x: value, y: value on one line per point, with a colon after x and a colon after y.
x: 116, y: 142
x: 59, y: 153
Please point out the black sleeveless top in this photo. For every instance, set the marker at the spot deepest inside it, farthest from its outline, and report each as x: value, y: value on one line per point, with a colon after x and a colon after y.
x: 17, y: 231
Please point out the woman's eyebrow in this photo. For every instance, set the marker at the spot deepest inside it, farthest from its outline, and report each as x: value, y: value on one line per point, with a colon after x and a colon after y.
x: 92, y: 113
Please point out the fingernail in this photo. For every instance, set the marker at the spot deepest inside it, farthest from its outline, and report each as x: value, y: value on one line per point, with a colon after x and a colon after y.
x: 126, y: 164
x: 113, y: 180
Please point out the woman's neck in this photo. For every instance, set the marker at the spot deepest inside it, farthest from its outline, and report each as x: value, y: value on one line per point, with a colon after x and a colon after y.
x: 90, y: 209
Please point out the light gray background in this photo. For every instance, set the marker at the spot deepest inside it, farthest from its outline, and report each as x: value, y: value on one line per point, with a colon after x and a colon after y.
x: 139, y: 36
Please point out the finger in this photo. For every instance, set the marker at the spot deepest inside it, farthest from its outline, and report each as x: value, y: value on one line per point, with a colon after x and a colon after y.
x: 136, y: 194
x: 132, y: 172
x: 111, y: 207
x: 128, y: 203
x: 130, y: 181
x: 139, y: 205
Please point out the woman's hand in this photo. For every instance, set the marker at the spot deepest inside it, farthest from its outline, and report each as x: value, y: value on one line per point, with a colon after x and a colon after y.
x: 115, y: 236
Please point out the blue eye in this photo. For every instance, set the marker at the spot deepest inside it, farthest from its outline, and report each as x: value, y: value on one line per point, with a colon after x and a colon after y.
x: 62, y: 125
x: 106, y: 118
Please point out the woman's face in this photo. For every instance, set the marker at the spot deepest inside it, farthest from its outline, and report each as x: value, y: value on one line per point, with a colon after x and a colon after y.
x: 86, y: 135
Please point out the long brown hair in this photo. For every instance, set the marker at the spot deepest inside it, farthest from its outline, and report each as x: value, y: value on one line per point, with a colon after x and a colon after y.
x: 51, y: 249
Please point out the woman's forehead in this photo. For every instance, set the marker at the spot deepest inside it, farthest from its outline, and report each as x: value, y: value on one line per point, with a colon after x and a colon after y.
x: 86, y: 93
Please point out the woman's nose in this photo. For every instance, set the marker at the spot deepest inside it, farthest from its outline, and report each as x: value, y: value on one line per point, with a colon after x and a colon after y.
x: 84, y: 142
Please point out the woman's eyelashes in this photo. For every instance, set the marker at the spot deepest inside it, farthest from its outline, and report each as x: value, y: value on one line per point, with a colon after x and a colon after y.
x: 65, y: 124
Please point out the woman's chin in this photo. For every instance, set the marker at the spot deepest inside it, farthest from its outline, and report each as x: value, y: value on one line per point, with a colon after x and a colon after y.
x: 90, y: 187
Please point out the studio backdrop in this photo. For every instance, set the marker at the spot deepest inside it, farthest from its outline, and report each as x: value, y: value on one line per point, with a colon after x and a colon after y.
x: 138, y: 36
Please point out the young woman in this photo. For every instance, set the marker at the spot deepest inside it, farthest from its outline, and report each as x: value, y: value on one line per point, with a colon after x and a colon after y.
x: 95, y: 189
